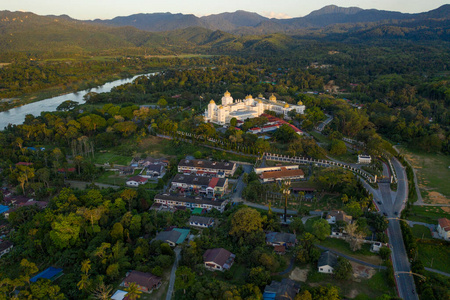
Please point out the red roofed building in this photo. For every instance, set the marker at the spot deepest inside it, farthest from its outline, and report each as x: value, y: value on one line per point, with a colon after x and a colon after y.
x: 136, y: 181
x: 282, y: 174
x: 218, y: 259
x: 146, y: 282
x: 443, y: 228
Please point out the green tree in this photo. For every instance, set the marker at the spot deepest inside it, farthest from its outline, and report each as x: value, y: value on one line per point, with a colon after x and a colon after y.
x: 354, y: 209
x: 185, y: 278
x: 338, y: 147
x: 303, y: 295
x: 385, y: 253
x: 65, y: 230
x: 245, y: 223
x: 117, y: 232
x: 343, y: 269
x: 133, y: 291
x: 321, y: 229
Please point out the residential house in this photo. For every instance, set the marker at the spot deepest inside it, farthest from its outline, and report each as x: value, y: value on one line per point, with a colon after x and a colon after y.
x: 125, y: 170
x: 338, y: 215
x: 443, y: 228
x: 119, y: 295
x: 327, y: 262
x: 279, y: 249
x: 282, y: 174
x: 171, y: 201
x: 135, y: 181
x: 203, y: 222
x: 146, y: 282
x: 174, y: 237
x: 364, y: 159
x: 218, y: 259
x: 376, y: 247
x: 287, y: 289
x: 5, y: 247
x: 207, y: 167
x: 210, y: 186
x: 281, y: 239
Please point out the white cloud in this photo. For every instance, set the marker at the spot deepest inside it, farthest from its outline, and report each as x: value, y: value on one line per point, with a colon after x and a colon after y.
x: 272, y: 14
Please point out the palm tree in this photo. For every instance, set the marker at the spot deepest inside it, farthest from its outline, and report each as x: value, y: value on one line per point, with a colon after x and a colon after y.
x: 133, y: 291
x: 103, y: 292
x: 285, y: 190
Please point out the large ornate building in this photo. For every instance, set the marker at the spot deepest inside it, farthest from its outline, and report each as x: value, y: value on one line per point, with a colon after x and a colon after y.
x: 247, y: 108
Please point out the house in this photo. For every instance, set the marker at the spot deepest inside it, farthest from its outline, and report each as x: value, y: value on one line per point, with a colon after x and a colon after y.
x: 281, y: 239
x: 207, y: 185
x: 50, y: 273
x: 152, y: 161
x: 203, y: 222
x: 376, y: 247
x: 125, y: 170
x: 174, y: 237
x: 153, y: 171
x: 119, y: 295
x: 218, y: 259
x: 338, y: 215
x: 443, y: 228
x: 279, y: 249
x: 201, y: 166
x: 364, y: 159
x: 327, y: 262
x: 171, y: 201
x: 282, y: 174
x: 146, y: 282
x: 287, y: 289
x: 5, y: 247
x: 135, y: 181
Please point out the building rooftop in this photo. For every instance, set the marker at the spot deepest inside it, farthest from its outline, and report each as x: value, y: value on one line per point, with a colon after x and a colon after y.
x: 192, y: 179
x: 277, y: 237
x: 207, y: 164
x: 283, y: 173
x: 216, y: 202
x: 327, y: 259
x: 219, y: 256
x: 143, y: 279
x: 444, y: 223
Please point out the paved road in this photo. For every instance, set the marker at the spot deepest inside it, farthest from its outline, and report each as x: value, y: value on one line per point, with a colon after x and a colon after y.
x: 437, y: 271
x: 177, y: 251
x: 322, y: 125
x: 352, y: 258
x: 419, y: 195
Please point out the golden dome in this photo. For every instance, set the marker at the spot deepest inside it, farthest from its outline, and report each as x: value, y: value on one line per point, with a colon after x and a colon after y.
x: 260, y: 95
x: 221, y: 107
x: 286, y: 105
x: 212, y: 102
x: 227, y: 94
x: 259, y: 101
x: 273, y: 98
x: 299, y: 103
x: 250, y: 97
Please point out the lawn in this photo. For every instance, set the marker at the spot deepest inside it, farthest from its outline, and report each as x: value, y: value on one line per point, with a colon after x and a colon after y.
x: 320, y: 138
x: 342, y: 246
x: 110, y: 157
x: 421, y: 232
x: 433, y: 172
x: 365, y: 288
x: 428, y: 214
x: 435, y: 256
x: 110, y: 177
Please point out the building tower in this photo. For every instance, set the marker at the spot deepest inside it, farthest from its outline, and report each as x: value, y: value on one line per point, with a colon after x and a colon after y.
x: 227, y: 99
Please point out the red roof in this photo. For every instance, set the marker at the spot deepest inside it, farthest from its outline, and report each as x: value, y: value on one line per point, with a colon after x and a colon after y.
x: 148, y: 280
x: 217, y: 255
x: 212, y: 184
x: 138, y: 179
x: 444, y: 223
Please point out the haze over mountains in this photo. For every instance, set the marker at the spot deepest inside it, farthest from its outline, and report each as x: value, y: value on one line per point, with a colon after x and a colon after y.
x: 243, y: 22
x: 241, y: 31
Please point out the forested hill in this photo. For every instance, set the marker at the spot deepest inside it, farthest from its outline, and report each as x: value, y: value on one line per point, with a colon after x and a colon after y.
x: 53, y: 37
x: 243, y: 22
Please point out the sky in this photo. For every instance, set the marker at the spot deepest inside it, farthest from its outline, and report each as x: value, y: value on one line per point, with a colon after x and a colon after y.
x: 108, y: 9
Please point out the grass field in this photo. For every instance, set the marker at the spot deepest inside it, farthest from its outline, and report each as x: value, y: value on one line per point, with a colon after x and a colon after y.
x: 342, y: 246
x: 435, y: 256
x: 109, y: 157
x: 428, y: 214
x: 433, y: 174
x: 420, y: 231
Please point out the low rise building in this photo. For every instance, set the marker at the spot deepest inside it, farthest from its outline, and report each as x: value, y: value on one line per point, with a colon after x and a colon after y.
x: 281, y: 239
x: 364, y: 159
x: 218, y: 259
x: 206, y: 167
x: 5, y: 247
x: 282, y: 174
x: 443, y: 228
x: 327, y: 262
x: 287, y: 289
x: 210, y: 186
x: 146, y: 282
x: 173, y: 237
x: 135, y: 181
x: 172, y: 201
x: 202, y: 222
x: 338, y: 215
x: 153, y: 171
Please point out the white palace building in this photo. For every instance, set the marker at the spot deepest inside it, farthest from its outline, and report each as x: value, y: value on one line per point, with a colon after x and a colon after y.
x: 247, y: 108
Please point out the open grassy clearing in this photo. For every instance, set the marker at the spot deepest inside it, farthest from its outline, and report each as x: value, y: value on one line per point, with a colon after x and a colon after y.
x: 433, y: 174
x: 342, y: 246
x: 435, y: 256
x: 421, y: 232
x: 428, y: 214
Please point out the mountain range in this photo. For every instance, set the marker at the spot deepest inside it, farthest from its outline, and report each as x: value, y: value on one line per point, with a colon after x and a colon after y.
x: 238, y: 32
x: 243, y: 22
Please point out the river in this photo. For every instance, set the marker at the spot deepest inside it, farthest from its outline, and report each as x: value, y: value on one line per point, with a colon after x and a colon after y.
x: 17, y: 115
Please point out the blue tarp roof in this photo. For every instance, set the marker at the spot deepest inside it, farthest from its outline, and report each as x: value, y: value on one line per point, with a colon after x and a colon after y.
x: 48, y: 273
x: 3, y: 208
